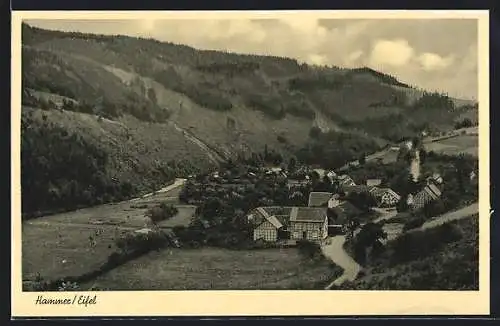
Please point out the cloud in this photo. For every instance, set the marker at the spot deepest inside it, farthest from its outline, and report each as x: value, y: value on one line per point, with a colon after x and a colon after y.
x: 433, y: 61
x: 391, y: 53
x: 317, y: 59
x: 353, y: 58
x: 399, y: 47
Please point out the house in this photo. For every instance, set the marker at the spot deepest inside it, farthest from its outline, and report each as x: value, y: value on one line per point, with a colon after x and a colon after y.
x: 435, y: 178
x: 320, y: 172
x: 341, y: 213
x: 266, y: 226
x: 385, y: 197
x: 308, y: 223
x: 319, y: 199
x: 373, y: 182
x: 297, y: 183
x: 334, y: 201
x: 349, y: 189
x: 346, y: 180
x: 331, y: 174
x: 428, y: 194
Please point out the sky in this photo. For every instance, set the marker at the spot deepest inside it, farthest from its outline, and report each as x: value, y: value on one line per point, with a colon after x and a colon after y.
x: 433, y: 54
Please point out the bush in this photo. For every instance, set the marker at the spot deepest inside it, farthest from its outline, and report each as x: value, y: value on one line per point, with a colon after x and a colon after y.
x: 309, y: 249
x: 132, y: 243
x: 414, y: 222
x: 415, y: 245
x: 161, y: 212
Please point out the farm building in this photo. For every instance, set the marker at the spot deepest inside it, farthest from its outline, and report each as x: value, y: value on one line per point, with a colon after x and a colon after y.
x: 297, y: 183
x: 319, y: 199
x: 385, y: 197
x: 349, y: 189
x: 266, y: 225
x: 308, y: 223
x: 339, y: 215
x: 346, y: 180
x: 334, y: 201
x: 430, y: 193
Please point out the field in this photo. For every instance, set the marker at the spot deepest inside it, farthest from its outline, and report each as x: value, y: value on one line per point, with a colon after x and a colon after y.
x: 60, y: 245
x: 55, y: 251
x: 460, y: 144
x: 213, y: 268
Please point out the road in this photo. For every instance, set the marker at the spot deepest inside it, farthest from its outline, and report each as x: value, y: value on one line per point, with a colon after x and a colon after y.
x: 177, y: 183
x: 449, y: 217
x: 383, y: 152
x: 334, y: 248
x: 335, y: 251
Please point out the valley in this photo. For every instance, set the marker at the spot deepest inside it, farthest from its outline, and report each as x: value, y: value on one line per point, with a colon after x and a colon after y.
x: 149, y: 165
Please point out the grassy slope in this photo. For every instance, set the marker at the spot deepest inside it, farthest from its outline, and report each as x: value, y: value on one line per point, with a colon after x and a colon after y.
x: 446, y: 265
x: 133, y: 145
x: 212, y: 268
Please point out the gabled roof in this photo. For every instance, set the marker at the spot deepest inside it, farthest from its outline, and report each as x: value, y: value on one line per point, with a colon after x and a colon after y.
x: 318, y: 199
x: 373, y: 182
x: 274, y: 221
x: 433, y: 191
x: 261, y: 214
x: 355, y: 188
x: 377, y: 192
x: 308, y: 214
x: 344, y: 177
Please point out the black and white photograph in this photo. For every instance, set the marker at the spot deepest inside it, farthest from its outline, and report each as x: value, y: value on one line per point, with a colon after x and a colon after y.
x: 264, y: 153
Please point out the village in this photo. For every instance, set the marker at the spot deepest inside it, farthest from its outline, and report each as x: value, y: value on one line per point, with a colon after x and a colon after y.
x: 284, y: 205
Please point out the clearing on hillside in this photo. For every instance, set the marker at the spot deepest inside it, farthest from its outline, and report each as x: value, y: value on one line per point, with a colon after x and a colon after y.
x: 461, y: 144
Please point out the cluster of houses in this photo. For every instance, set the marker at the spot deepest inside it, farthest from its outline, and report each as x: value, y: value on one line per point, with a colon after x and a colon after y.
x: 316, y: 221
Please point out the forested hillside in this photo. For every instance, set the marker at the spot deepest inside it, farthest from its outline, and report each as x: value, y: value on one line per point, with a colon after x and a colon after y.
x: 108, y: 117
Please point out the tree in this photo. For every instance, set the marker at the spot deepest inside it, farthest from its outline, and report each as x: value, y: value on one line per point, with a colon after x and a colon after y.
x: 362, y: 200
x: 369, y: 237
x: 362, y: 159
x: 315, y: 132
x: 161, y: 212
x: 434, y: 208
x: 402, y: 205
x: 292, y: 164
x: 350, y: 226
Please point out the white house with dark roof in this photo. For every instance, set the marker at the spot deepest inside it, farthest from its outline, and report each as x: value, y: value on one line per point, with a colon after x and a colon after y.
x: 308, y: 223
x: 346, y: 180
x: 266, y: 225
x: 428, y: 194
x: 385, y: 197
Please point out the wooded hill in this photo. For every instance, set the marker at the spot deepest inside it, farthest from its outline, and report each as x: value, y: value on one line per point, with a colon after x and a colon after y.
x: 146, y: 106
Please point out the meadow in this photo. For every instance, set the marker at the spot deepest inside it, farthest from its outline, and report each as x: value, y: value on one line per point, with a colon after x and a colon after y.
x: 461, y: 144
x: 74, y: 243
x: 219, y: 269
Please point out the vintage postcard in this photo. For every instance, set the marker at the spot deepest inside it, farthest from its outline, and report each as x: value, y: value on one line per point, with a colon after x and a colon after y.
x: 250, y: 163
